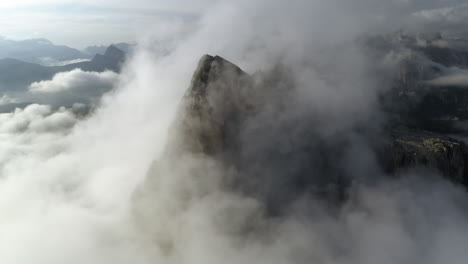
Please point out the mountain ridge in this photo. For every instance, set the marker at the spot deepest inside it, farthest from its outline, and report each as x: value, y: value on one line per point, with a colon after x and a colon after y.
x: 34, y: 50
x: 224, y: 120
x: 16, y: 75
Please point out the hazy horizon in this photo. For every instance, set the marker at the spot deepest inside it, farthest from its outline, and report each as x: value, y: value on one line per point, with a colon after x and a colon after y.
x: 82, y: 23
x: 79, y: 24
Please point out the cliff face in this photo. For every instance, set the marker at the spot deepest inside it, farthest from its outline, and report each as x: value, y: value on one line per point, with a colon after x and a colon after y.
x: 251, y: 134
x: 209, y: 109
x: 423, y: 115
x: 221, y: 104
x: 412, y: 148
x: 248, y: 125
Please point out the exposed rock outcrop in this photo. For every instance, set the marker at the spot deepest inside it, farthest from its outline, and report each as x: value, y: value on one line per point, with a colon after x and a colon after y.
x: 222, y: 99
x: 250, y: 128
x: 247, y: 126
x: 422, y: 116
x: 410, y: 148
x: 210, y: 108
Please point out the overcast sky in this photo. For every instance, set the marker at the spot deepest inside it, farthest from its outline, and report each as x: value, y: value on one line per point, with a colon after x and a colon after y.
x: 79, y: 23
x: 89, y: 22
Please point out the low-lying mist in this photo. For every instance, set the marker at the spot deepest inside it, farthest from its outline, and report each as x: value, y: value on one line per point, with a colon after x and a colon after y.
x: 103, y: 189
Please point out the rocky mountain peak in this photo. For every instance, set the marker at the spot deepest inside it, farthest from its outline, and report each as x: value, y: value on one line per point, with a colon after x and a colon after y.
x: 215, y: 88
x: 234, y: 118
x: 114, y: 52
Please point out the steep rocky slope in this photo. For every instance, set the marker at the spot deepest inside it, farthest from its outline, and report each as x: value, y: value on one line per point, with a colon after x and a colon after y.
x: 216, y: 116
x: 413, y: 148
x: 254, y: 135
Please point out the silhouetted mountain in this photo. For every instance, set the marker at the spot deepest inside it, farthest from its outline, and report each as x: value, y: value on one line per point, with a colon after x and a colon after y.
x: 16, y: 75
x: 38, y: 51
x: 111, y: 60
x: 93, y: 50
x: 234, y: 119
x: 446, y: 56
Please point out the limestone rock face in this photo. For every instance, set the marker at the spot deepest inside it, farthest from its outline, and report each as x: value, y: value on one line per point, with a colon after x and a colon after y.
x: 247, y: 134
x: 207, y: 114
x: 222, y: 99
x: 424, y: 117
x: 410, y: 148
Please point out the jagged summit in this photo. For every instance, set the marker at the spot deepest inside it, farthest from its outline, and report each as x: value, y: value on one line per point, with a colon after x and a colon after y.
x: 211, y: 69
x: 252, y: 126
x: 111, y: 60
x: 215, y: 90
x: 114, y: 52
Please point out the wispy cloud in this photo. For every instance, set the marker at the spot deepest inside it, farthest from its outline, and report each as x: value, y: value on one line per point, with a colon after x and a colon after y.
x: 457, y: 77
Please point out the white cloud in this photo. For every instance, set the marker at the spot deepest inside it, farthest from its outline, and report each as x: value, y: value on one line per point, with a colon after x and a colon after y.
x: 5, y: 99
x: 75, y: 86
x: 170, y: 5
x: 36, y: 118
x: 66, y: 186
x: 452, y: 78
x: 47, y: 61
x: 453, y: 14
x: 35, y: 132
x: 83, y: 23
x: 76, y: 80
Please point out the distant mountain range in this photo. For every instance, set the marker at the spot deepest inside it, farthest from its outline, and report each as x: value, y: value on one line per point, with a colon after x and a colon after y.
x: 37, y: 50
x: 44, y: 52
x: 17, y: 75
x: 93, y: 50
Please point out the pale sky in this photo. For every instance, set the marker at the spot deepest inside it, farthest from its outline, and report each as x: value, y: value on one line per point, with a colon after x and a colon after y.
x: 79, y: 23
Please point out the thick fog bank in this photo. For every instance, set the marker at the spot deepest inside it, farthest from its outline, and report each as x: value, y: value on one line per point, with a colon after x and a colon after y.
x: 109, y: 189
